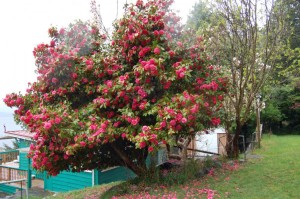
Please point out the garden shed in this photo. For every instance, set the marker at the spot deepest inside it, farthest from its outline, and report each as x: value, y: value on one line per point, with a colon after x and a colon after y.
x: 207, y: 143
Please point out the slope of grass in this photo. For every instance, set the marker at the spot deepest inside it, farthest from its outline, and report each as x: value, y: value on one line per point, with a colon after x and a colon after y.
x: 87, y: 193
x: 275, y: 173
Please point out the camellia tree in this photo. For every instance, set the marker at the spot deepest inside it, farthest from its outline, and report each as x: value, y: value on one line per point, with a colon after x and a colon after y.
x: 99, y: 103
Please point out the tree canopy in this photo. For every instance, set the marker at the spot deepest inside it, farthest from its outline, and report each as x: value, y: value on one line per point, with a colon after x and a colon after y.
x: 99, y: 103
x: 243, y: 37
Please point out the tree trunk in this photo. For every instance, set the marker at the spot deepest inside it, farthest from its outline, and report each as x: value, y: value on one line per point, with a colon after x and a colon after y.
x: 184, y: 145
x: 232, y: 146
x: 139, y: 167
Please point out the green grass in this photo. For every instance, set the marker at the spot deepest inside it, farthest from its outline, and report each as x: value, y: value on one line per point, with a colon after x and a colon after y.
x: 275, y: 175
x: 87, y: 193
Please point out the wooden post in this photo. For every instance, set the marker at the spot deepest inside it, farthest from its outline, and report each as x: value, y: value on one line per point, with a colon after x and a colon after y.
x: 96, y: 177
x: 9, y: 174
x: 258, y: 130
x: 258, y: 138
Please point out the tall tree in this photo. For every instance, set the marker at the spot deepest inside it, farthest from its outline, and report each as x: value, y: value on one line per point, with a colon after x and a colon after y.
x: 285, y: 83
x: 99, y: 103
x: 244, y: 37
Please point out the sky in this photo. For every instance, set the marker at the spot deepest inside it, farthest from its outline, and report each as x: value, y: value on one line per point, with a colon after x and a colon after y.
x: 25, y: 23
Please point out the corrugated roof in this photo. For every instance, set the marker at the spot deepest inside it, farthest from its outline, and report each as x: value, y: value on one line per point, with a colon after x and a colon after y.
x: 23, y: 134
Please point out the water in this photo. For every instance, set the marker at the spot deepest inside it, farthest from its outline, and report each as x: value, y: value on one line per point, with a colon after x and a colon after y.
x: 7, y: 119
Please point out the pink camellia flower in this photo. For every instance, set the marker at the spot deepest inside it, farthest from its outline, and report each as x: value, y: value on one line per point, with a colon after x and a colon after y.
x: 156, y: 51
x: 89, y: 62
x: 135, y: 121
x: 122, y: 79
x: 142, y: 145
x: 161, y: 32
x: 215, y: 121
x: 145, y: 20
x: 54, y: 80
x: 220, y: 97
x: 89, y: 67
x: 52, y: 43
x: 66, y: 156
x: 150, y: 149
x: 183, y: 120
x: 137, y: 81
x: 171, y: 53
x: 167, y: 85
x: 179, y: 117
x: 57, y: 120
x: 93, y: 127
x: 74, y: 75
x: 123, y: 135
x: 173, y: 122
x: 116, y: 124
x: 214, y: 85
x: 142, y: 106
x: 179, y: 44
x: 180, y: 73
x: 47, y: 125
x: 83, y: 144
x: 109, y: 83
x: 61, y: 31
x: 178, y: 127
x: 32, y: 147
x: 163, y: 124
x: 195, y: 108
x: 145, y: 128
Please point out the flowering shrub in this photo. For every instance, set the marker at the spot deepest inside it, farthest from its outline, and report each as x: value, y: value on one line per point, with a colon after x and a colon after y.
x: 99, y: 103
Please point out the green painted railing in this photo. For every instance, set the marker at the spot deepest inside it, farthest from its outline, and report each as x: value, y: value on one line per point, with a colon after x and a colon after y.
x: 12, y: 178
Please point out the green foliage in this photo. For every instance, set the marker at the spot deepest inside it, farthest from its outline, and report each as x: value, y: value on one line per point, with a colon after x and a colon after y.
x: 200, y: 17
x: 284, y: 88
x: 175, y: 176
x: 272, y: 114
x: 280, y: 112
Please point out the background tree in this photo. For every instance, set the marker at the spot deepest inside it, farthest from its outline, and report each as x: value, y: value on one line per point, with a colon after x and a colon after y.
x: 284, y: 87
x: 99, y: 103
x: 245, y: 45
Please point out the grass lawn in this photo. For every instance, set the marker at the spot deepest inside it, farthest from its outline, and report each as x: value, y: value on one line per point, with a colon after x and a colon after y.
x: 276, y: 174
x: 87, y: 193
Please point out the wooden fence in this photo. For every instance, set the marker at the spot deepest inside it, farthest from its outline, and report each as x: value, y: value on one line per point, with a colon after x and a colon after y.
x: 9, y: 156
